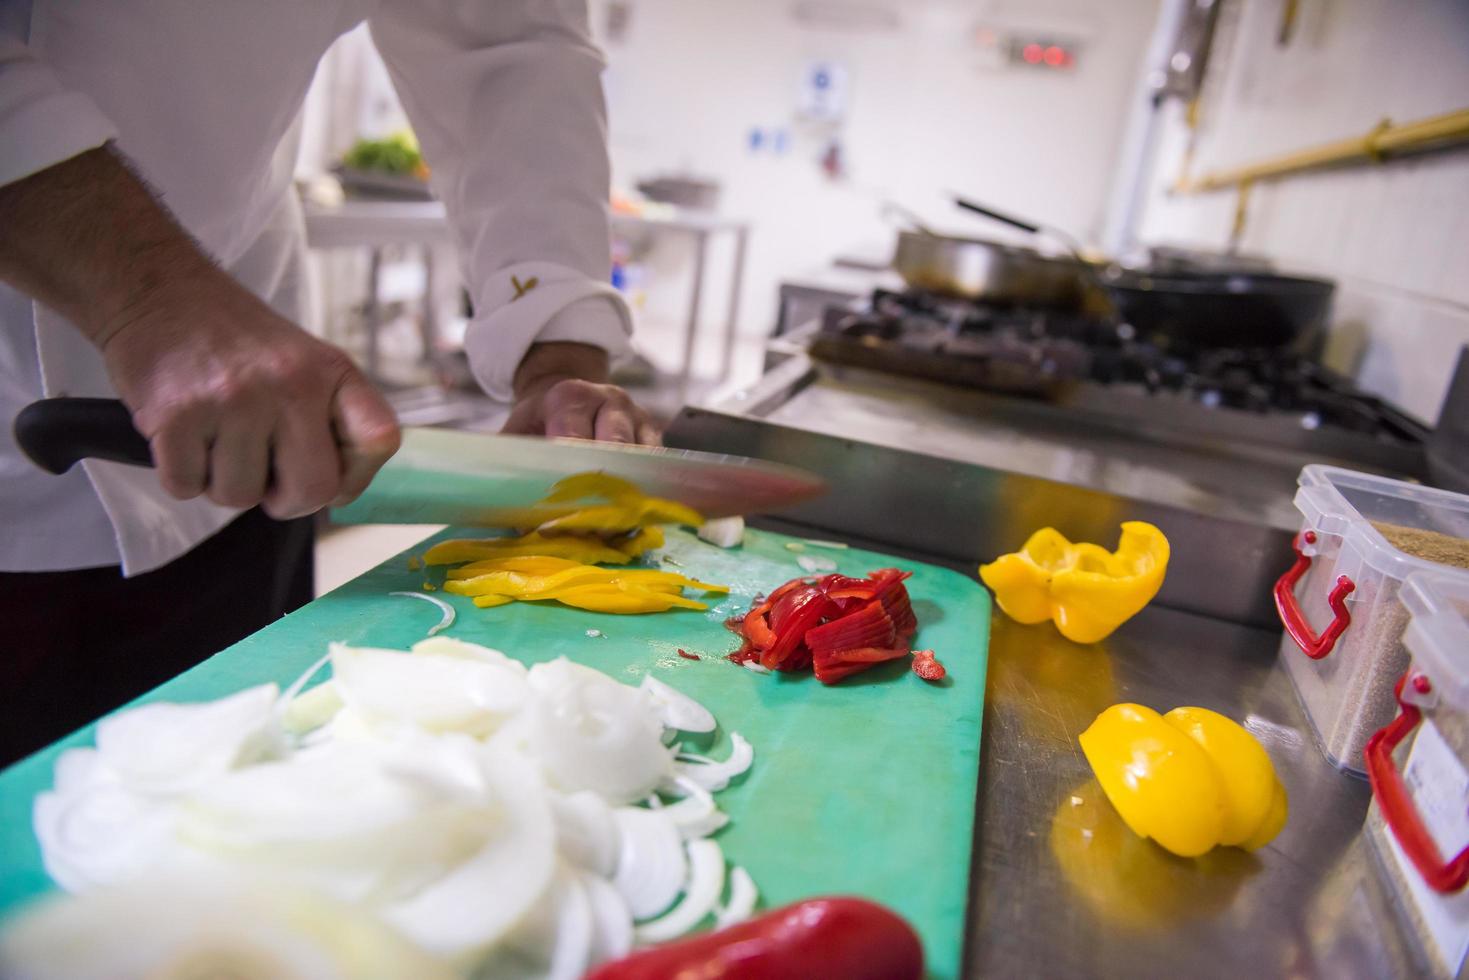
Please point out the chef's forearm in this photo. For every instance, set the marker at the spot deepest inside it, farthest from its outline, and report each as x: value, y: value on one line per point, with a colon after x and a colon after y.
x: 546, y: 364
x: 87, y: 238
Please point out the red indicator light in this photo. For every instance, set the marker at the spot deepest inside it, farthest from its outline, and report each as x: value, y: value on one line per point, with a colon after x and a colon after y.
x: 1055, y: 57
x: 1032, y: 53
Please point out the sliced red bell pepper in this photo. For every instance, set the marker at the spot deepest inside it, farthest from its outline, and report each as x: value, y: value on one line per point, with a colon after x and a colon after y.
x: 832, y: 667
x: 867, y: 626
x: 835, y: 625
x: 791, y: 616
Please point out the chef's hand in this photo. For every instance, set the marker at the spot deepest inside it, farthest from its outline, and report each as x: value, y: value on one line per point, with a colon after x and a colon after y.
x: 244, y: 406
x: 560, y: 391
x: 237, y: 403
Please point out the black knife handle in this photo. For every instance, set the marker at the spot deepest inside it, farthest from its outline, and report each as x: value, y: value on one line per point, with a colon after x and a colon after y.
x: 1000, y: 216
x: 58, y: 432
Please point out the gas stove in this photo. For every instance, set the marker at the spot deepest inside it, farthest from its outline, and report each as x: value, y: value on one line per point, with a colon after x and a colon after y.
x: 1074, y: 361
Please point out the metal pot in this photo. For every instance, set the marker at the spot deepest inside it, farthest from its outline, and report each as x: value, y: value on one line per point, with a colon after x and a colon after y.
x: 973, y: 268
x: 1202, y: 310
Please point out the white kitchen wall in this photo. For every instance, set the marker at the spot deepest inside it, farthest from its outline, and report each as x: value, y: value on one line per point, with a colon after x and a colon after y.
x: 1395, y: 237
x: 689, y: 79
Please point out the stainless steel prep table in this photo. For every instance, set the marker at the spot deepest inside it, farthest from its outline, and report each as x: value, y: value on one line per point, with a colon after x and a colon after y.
x: 1307, y: 905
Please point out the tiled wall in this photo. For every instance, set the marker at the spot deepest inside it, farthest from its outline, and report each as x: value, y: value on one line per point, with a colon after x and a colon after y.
x: 1396, y: 236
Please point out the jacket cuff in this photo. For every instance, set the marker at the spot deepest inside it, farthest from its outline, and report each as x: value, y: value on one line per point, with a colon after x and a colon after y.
x: 534, y: 302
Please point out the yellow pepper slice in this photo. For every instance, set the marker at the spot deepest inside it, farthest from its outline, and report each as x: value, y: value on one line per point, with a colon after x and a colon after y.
x: 624, y: 516
x: 616, y: 590
x: 1084, y: 589
x: 1191, y: 780
x: 577, y: 549
x: 580, y: 486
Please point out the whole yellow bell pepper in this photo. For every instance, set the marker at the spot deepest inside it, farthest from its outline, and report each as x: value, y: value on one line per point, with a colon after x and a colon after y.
x: 1084, y: 589
x: 1191, y: 780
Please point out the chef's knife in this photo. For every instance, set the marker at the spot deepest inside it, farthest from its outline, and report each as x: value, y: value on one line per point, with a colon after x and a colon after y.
x: 445, y: 477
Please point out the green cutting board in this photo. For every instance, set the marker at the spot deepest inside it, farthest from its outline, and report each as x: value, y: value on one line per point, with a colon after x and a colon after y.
x: 864, y: 788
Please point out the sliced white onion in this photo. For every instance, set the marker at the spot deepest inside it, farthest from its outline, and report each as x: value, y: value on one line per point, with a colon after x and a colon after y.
x: 433, y: 691
x: 815, y: 564
x: 571, y: 953
x: 757, y: 667
x: 213, y: 925
x: 715, y: 776
x: 101, y: 835
x: 81, y: 769
x: 611, y: 920
x: 166, y: 749
x: 338, y: 818
x: 585, y: 833
x: 448, y: 646
x: 308, y: 712
x: 420, y: 788
x: 590, y: 732
x: 705, y: 885
x: 726, y: 532
x: 446, y: 611
x: 742, y: 898
x: 472, y: 907
x: 299, y: 684
x: 678, y: 710
x: 695, y: 815
x: 651, y: 865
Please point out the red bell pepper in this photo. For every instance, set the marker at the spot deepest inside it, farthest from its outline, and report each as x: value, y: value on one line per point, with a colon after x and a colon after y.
x: 835, y: 625
x: 850, y: 938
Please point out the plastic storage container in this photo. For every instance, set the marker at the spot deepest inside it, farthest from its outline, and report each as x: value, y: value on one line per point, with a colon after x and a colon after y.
x: 1418, y: 823
x: 1361, y: 538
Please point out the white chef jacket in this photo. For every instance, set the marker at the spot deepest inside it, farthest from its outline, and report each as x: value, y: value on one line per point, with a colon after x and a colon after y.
x: 504, y: 95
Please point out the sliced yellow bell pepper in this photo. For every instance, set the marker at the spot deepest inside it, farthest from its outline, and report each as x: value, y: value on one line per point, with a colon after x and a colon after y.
x: 1191, y: 780
x: 624, y: 516
x: 1084, y: 589
x: 578, y: 549
x: 617, y: 590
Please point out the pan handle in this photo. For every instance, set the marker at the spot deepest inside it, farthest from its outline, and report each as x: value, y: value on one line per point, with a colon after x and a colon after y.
x: 1000, y: 216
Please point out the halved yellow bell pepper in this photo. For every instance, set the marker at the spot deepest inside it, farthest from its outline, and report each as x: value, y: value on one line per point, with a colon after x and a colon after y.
x: 1191, y: 780
x: 1084, y: 589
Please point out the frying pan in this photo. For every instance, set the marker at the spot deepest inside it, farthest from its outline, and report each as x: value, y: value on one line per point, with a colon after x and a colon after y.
x: 1188, y: 311
x: 1202, y: 310
x: 978, y: 269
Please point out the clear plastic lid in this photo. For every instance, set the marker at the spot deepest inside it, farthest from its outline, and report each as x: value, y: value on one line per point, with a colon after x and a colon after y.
x: 1438, y: 634
x: 1347, y: 503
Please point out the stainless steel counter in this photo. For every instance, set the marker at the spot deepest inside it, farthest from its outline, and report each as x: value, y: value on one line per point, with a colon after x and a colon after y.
x: 1060, y: 887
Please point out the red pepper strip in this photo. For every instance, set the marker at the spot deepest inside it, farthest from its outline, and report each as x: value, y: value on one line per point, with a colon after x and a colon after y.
x: 688, y: 656
x: 757, y: 632
x: 832, y: 667
x: 850, y: 938
x: 895, y: 599
x: 791, y: 616
x: 927, y: 666
x: 867, y: 626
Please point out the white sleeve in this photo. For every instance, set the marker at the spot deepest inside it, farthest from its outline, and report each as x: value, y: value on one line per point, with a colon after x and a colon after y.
x: 506, y: 99
x: 41, y: 121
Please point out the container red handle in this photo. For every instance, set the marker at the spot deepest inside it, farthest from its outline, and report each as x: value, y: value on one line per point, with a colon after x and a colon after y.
x: 1294, y: 619
x: 1396, y: 803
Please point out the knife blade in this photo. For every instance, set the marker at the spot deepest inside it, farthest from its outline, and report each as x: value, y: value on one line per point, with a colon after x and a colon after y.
x: 440, y: 476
